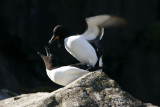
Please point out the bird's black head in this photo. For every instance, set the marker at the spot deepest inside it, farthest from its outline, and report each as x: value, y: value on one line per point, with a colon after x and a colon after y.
x: 59, y: 33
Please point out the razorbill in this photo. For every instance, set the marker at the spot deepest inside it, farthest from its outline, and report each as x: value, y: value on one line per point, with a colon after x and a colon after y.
x: 82, y: 46
x: 63, y: 75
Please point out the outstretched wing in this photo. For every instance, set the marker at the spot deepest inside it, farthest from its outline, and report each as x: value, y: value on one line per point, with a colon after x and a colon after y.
x: 96, y: 24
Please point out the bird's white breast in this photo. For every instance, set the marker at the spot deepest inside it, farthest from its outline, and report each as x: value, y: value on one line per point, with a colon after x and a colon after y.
x: 81, y: 49
x: 65, y: 75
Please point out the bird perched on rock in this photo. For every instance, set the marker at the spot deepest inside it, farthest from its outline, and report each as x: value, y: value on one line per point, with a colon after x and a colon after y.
x: 63, y: 75
x: 83, y: 46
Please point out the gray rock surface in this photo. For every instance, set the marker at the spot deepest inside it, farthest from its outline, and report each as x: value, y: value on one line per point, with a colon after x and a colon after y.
x: 92, y: 90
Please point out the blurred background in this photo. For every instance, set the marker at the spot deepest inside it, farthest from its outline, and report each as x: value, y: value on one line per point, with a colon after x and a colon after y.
x: 131, y: 53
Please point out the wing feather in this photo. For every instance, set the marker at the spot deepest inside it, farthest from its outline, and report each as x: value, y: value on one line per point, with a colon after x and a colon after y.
x: 96, y: 25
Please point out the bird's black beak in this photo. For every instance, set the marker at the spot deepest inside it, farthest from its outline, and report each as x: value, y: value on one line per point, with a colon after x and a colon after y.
x: 53, y: 39
x: 47, y: 50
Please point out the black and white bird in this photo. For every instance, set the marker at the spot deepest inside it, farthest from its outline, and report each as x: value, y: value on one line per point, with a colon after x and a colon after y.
x: 82, y: 46
x: 63, y: 75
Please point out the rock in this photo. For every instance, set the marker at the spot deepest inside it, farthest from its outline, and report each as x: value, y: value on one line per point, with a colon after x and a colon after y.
x: 92, y: 90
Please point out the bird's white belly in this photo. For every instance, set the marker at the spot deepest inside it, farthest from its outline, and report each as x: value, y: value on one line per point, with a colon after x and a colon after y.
x: 81, y: 49
x: 65, y: 75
